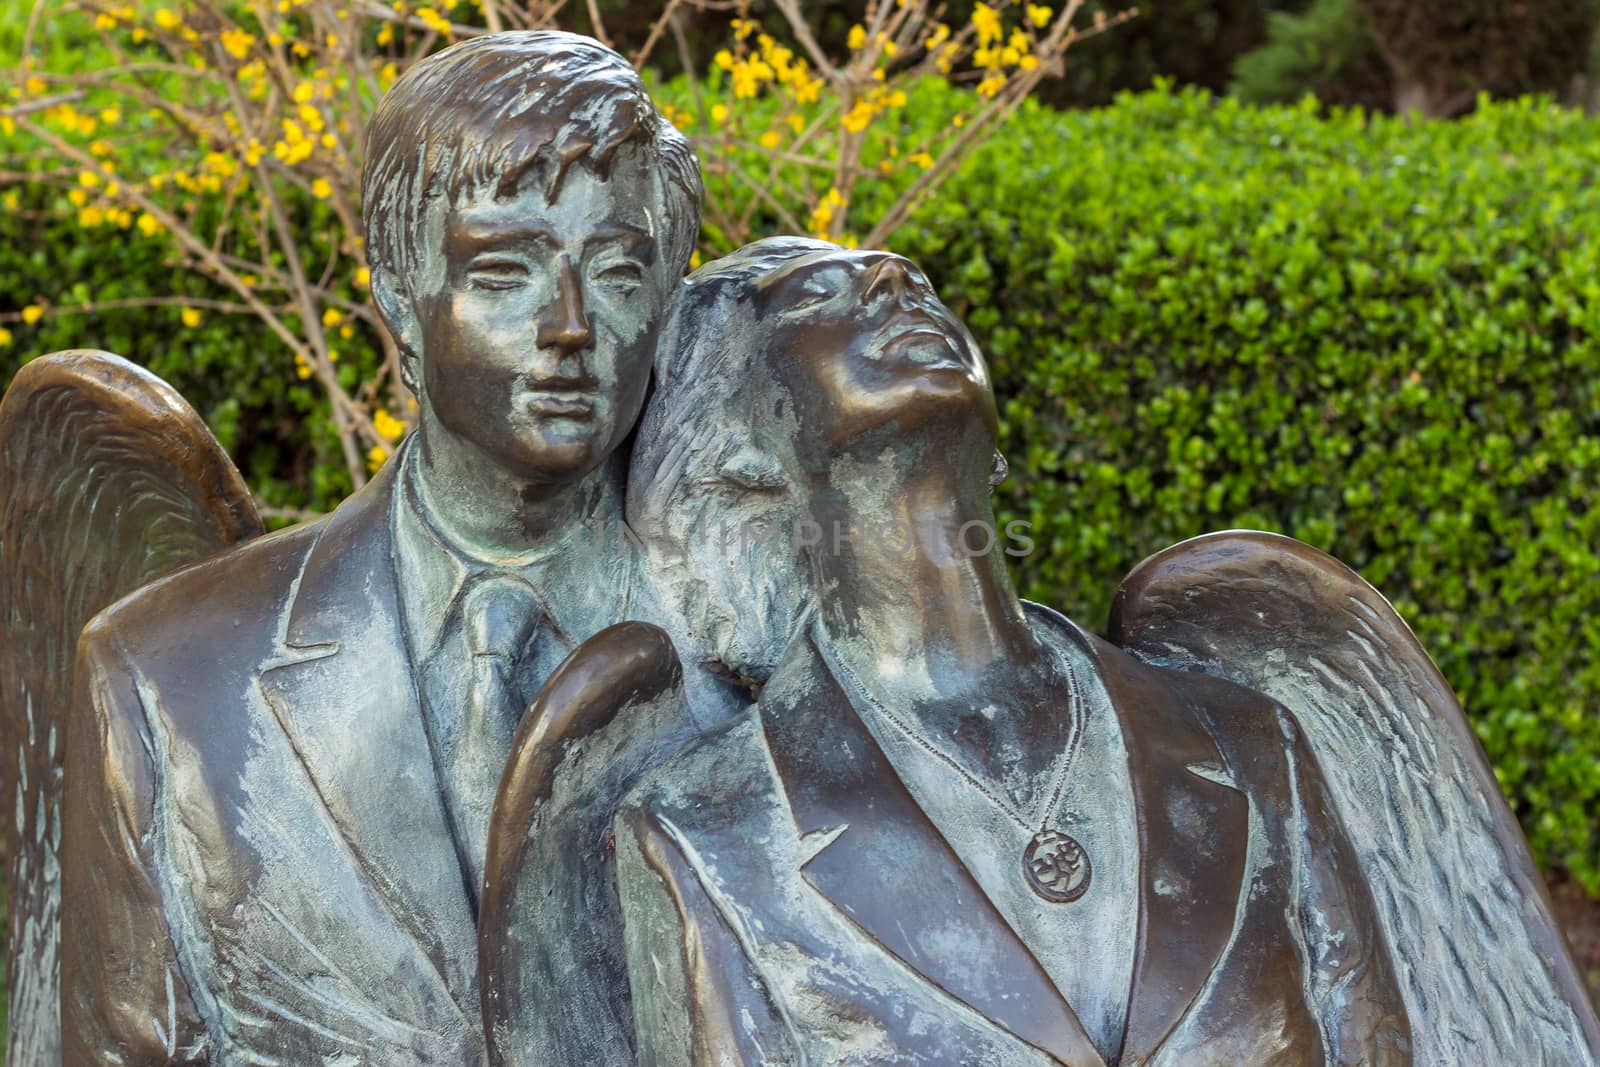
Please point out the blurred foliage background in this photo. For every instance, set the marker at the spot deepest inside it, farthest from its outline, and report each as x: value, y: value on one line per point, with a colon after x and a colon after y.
x: 1327, y: 267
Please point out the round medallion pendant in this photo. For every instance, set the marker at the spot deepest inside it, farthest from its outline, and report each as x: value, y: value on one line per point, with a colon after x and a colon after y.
x: 1057, y: 867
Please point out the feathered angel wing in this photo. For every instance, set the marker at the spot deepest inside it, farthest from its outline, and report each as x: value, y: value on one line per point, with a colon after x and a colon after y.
x: 1484, y: 969
x: 107, y: 480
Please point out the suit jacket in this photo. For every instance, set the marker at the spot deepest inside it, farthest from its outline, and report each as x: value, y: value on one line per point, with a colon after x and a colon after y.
x: 786, y: 900
x: 257, y: 862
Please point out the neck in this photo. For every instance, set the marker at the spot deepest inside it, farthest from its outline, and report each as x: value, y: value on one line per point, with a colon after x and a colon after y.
x: 497, y: 515
x: 913, y: 585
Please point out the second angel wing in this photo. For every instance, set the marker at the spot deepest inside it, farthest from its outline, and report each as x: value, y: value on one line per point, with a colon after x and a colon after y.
x: 1485, y: 971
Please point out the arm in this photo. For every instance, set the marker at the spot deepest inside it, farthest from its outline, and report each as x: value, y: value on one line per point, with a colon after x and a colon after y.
x: 1350, y: 977
x: 697, y: 999
x: 123, y: 998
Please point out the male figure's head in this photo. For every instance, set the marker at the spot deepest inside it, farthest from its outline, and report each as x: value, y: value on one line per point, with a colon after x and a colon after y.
x: 528, y: 213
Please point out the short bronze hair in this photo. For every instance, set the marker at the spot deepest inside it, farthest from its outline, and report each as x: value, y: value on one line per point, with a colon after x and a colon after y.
x: 486, y: 111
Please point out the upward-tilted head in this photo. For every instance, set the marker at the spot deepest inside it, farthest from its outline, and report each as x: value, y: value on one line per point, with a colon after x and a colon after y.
x: 528, y: 212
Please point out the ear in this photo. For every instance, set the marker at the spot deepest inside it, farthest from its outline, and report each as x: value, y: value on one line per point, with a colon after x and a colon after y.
x: 400, y: 316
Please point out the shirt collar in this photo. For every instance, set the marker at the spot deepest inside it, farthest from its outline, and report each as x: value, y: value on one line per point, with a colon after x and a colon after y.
x: 590, y: 590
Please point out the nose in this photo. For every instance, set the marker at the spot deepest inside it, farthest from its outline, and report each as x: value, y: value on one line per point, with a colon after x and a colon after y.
x: 890, y: 276
x: 564, y: 325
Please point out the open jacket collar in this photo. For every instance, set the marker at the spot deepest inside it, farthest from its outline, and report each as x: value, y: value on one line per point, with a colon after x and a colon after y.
x: 343, y: 689
x: 882, y: 859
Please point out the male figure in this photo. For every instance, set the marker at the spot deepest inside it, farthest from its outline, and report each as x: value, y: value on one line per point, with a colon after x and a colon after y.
x: 283, y: 758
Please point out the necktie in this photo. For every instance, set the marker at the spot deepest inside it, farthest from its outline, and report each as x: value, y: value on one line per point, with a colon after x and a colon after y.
x: 500, y: 614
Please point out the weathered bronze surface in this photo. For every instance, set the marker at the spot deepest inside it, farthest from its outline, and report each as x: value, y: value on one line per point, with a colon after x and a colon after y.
x: 283, y: 758
x: 107, y: 480
x: 739, y: 749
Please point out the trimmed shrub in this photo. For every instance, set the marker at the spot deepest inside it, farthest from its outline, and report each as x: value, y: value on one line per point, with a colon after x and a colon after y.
x: 1380, y: 337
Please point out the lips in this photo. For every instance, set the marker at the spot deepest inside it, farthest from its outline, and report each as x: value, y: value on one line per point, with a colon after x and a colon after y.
x: 562, y: 405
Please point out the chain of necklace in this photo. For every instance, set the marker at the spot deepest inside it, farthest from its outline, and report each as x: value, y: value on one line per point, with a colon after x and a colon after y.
x: 1055, y: 864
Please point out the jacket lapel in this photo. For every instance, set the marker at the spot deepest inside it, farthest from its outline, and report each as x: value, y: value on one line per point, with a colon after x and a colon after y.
x: 1193, y: 838
x: 881, y: 862
x: 343, y: 690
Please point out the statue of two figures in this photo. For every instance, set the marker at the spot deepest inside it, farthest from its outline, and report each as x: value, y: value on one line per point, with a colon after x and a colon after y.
x: 665, y: 699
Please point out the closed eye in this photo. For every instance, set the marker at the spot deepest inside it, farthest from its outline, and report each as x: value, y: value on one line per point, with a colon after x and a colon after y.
x: 621, y: 275
x: 497, y: 274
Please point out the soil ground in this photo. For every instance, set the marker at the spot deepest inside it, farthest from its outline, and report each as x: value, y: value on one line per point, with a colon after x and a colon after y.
x: 1580, y: 918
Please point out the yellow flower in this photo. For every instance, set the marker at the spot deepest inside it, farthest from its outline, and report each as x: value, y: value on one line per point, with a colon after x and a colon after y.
x: 237, y: 43
x: 35, y: 85
x: 433, y: 20
x: 797, y: 123
x: 91, y: 216
x: 32, y: 314
x: 719, y: 113
x: 88, y: 179
x: 771, y: 139
x: 695, y: 259
x: 743, y: 28
x: 332, y: 317
x: 859, y: 117
x: 104, y: 22
x: 111, y: 115
x: 1040, y: 15
x: 333, y: 355
x: 304, y: 92
x: 321, y: 189
x: 389, y: 428
x: 807, y: 90
x: 857, y: 38
x: 302, y: 369
x: 5, y: 337
x: 385, y: 35
x: 364, y: 278
x: 78, y: 197
x: 191, y: 317
x: 148, y: 225
x: 723, y: 59
x: 991, y: 85
x: 921, y: 159
x: 167, y: 19
x: 1028, y: 62
x: 986, y: 20
x: 376, y: 457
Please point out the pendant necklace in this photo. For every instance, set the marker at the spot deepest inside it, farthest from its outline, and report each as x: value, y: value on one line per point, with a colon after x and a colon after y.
x: 1054, y: 864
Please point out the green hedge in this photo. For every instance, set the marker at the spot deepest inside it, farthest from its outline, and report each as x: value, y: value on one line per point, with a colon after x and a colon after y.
x: 1379, y: 337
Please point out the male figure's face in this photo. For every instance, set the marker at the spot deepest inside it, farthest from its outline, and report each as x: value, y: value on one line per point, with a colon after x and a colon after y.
x: 537, y: 343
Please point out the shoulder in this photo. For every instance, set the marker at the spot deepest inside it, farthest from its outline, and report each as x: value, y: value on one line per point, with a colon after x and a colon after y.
x: 215, y: 607
x: 1255, y: 735
x: 710, y: 789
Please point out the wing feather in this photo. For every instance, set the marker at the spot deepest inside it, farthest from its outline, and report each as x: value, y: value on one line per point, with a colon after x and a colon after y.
x: 108, y: 479
x: 1487, y: 976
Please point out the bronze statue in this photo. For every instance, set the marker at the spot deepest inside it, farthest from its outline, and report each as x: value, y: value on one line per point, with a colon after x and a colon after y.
x: 283, y: 758
x: 466, y: 772
x: 955, y: 828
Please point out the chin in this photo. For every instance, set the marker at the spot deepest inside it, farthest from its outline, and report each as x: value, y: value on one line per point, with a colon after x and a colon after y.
x: 560, y: 460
